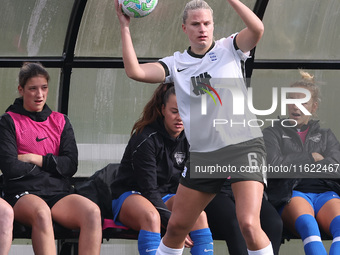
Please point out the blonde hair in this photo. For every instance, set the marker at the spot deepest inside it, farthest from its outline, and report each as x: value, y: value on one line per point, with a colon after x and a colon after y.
x: 307, y: 81
x: 195, y: 5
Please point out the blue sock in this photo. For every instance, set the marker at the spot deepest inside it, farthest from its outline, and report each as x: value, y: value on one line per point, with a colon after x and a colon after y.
x: 334, y: 228
x: 148, y: 242
x: 308, y: 229
x: 203, y: 242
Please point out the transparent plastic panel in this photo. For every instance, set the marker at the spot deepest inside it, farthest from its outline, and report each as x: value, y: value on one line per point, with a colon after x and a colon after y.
x: 104, y: 105
x: 304, y: 29
x: 263, y: 82
x: 9, y: 87
x: 157, y: 35
x: 33, y: 27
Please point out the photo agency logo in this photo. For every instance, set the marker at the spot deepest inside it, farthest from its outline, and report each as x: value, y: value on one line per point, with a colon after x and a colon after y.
x: 241, y: 102
x: 223, y: 113
x: 202, y: 86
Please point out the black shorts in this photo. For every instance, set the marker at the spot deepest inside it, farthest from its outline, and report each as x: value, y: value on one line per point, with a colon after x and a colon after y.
x: 50, y: 200
x: 207, y: 171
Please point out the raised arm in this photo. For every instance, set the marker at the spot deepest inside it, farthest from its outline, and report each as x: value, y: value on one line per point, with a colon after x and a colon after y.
x: 249, y: 36
x: 149, y: 72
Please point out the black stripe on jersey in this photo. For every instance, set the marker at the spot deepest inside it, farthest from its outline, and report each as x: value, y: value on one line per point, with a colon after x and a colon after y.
x: 194, y: 55
x: 243, y: 63
x: 166, y: 69
x: 243, y: 69
x: 234, y: 43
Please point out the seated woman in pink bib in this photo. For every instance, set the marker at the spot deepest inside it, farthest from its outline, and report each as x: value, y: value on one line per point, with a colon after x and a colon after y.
x: 38, y: 155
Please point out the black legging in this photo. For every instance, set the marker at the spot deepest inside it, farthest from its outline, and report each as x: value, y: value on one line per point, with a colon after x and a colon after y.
x: 224, y: 226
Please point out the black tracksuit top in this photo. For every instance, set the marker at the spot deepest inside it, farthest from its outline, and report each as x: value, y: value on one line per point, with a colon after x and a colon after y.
x: 50, y: 179
x: 152, y: 164
x: 284, y: 147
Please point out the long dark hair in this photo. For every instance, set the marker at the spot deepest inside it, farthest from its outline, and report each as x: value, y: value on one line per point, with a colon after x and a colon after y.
x: 153, y: 109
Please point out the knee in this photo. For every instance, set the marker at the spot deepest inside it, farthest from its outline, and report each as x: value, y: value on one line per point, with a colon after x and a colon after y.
x: 176, y: 226
x: 306, y: 225
x: 151, y: 220
x: 42, y: 218
x: 7, y: 217
x: 93, y: 212
x: 93, y: 215
x: 249, y: 226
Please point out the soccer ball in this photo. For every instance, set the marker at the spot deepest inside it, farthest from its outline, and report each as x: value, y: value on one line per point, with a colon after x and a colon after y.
x: 138, y: 8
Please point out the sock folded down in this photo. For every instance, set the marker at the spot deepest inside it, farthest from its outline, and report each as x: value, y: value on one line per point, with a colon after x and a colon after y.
x: 268, y: 250
x: 164, y: 250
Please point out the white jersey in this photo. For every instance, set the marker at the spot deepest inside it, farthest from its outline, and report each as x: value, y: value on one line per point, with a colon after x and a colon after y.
x: 205, y: 88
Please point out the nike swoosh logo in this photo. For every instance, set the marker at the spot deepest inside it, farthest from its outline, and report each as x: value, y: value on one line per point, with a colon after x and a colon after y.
x: 147, y: 250
x: 180, y: 70
x: 205, y: 250
x: 285, y: 136
x: 40, y: 139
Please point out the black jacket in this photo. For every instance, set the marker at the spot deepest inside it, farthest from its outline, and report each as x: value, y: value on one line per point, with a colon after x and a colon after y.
x: 152, y: 164
x: 52, y: 177
x: 284, y: 147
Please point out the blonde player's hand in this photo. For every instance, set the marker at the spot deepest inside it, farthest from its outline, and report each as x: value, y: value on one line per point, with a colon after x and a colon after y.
x: 124, y: 20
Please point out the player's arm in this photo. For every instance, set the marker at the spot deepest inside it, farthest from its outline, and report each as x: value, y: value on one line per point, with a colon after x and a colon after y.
x: 149, y: 72
x: 31, y: 158
x: 249, y: 36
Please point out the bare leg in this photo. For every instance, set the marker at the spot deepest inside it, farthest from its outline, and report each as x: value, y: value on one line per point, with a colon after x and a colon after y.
x: 248, y: 200
x: 186, y: 209
x: 202, y: 221
x: 298, y: 215
x: 6, y: 226
x: 32, y: 211
x: 138, y: 213
x: 296, y: 207
x: 327, y: 213
x: 77, y: 212
x: 328, y: 219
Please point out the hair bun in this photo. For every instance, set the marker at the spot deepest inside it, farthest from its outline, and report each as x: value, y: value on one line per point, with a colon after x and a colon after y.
x: 307, y: 76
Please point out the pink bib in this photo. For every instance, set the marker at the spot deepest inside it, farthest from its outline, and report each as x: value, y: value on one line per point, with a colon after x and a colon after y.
x: 38, y: 137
